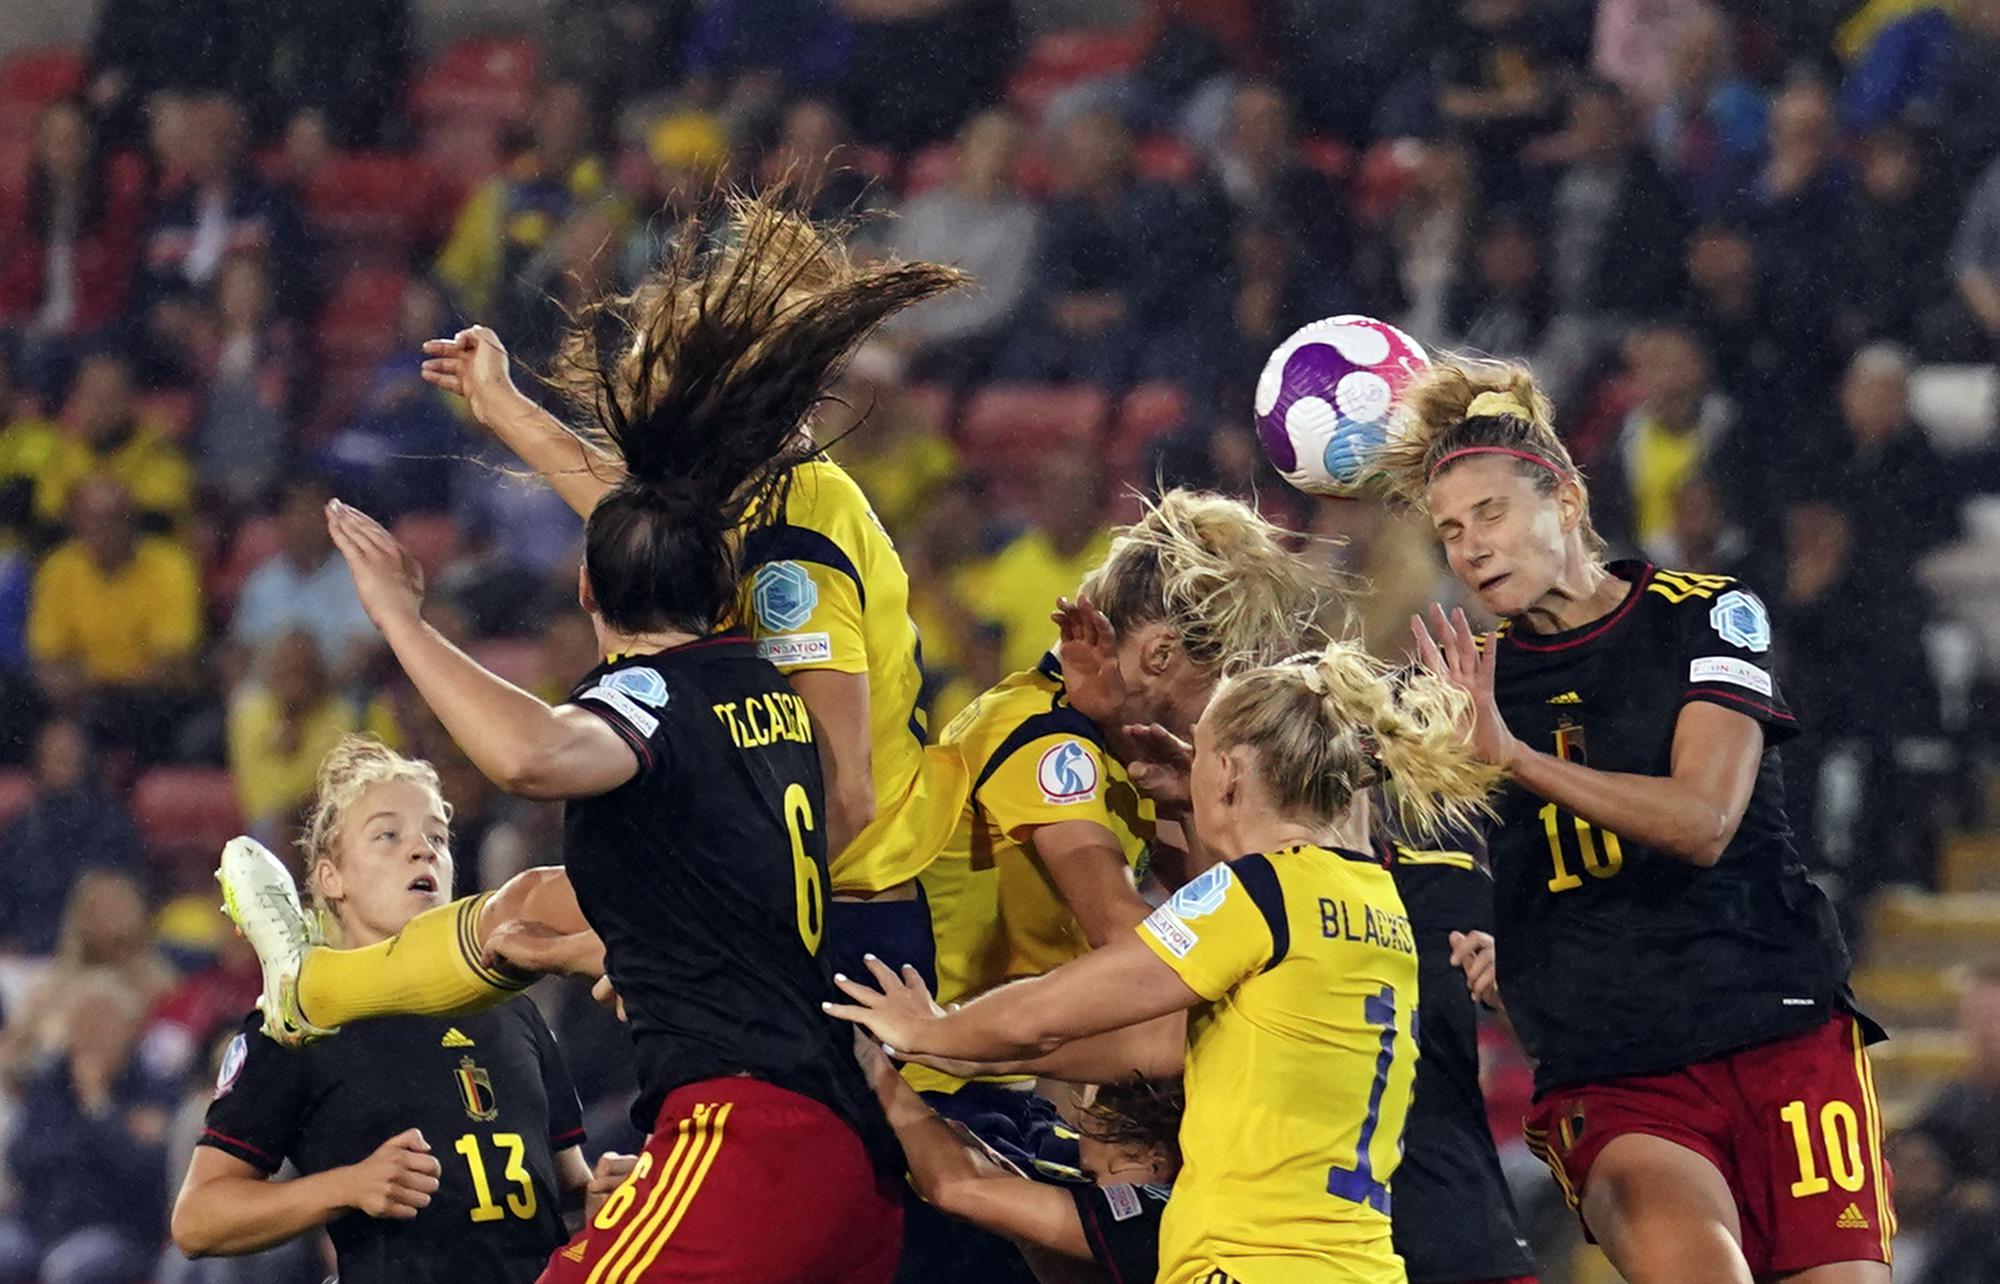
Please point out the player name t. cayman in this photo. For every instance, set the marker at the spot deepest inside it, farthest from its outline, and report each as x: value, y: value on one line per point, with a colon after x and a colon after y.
x: 766, y: 718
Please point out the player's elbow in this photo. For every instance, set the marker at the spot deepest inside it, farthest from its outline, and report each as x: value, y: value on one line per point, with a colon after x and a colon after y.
x: 1711, y: 837
x: 193, y: 1234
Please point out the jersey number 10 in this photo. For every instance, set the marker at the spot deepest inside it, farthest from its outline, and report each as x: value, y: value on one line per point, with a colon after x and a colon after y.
x: 1600, y: 864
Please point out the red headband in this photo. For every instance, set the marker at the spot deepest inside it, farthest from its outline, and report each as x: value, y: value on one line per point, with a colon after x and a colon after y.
x: 1438, y: 467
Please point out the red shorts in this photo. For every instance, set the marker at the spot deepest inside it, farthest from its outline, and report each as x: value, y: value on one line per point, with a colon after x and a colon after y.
x: 1791, y: 1125
x: 742, y: 1183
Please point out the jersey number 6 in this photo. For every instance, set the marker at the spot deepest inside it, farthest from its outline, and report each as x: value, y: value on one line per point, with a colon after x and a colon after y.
x: 805, y: 870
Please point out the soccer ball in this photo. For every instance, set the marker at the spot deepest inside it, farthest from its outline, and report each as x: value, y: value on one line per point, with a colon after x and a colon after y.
x: 1326, y: 398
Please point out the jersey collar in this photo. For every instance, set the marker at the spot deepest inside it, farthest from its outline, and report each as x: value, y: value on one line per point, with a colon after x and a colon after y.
x: 1637, y: 573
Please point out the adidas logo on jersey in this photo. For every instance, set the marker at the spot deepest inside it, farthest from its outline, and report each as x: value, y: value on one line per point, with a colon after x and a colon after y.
x: 1567, y: 697
x: 1851, y: 1219
x: 454, y: 1038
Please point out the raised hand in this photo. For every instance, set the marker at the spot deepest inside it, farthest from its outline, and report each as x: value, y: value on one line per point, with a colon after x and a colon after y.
x: 388, y: 580
x: 1164, y: 767
x: 1454, y: 653
x: 398, y: 1180
x: 1088, y: 650
x: 1473, y: 954
x: 473, y: 364
x: 898, y: 1014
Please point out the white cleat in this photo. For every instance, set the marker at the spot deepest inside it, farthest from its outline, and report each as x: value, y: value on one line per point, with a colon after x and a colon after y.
x: 259, y: 896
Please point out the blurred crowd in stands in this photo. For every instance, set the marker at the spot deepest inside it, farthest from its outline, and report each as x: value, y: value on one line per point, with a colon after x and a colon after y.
x: 1737, y: 239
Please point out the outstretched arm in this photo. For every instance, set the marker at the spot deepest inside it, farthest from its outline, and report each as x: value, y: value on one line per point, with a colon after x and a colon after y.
x: 517, y: 741
x: 473, y: 364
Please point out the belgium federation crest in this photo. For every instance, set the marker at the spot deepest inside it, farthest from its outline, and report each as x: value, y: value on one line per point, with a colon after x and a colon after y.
x: 475, y: 1091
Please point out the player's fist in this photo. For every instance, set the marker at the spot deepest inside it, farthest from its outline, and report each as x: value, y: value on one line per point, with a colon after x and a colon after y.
x: 398, y: 1180
x: 611, y: 1171
x: 473, y: 364
x: 1472, y: 953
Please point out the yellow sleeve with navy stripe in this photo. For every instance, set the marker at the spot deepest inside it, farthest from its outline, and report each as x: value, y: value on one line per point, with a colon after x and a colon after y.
x: 805, y: 611
x: 1051, y: 769
x: 1213, y: 932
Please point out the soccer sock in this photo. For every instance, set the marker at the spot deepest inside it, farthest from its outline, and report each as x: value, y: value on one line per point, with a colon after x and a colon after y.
x: 430, y: 968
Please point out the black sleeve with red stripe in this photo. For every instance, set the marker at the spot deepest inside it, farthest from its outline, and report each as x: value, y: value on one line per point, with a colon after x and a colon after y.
x: 1122, y: 1226
x: 1725, y: 660
x: 260, y: 1095
x: 565, y: 1110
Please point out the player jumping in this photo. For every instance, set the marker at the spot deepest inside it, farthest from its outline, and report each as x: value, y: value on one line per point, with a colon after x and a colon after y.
x: 1703, y: 1093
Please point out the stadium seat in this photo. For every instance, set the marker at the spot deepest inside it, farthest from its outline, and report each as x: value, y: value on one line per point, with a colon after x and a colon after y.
x: 185, y: 815
x: 461, y: 153
x: 1063, y: 58
x: 934, y: 403
x: 486, y: 77
x: 519, y: 660
x: 1150, y: 413
x: 34, y: 77
x: 1384, y: 174
x: 1007, y: 428
x: 359, y: 323
x: 1329, y: 156
x: 930, y: 169
x: 374, y: 203
x: 432, y: 538
x: 877, y: 163
x: 256, y: 541
x: 1166, y: 159
x: 17, y: 790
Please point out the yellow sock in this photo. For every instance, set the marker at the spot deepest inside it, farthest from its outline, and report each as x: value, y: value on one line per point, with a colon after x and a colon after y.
x: 430, y: 968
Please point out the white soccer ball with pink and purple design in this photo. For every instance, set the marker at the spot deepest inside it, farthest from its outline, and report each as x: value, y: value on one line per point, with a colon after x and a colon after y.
x: 1327, y: 397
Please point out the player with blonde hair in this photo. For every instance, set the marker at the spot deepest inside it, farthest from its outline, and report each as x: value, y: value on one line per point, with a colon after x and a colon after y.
x: 1296, y: 966
x: 483, y: 1129
x: 1703, y: 1092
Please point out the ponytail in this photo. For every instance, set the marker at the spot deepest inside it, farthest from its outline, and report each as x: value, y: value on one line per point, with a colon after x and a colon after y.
x: 1328, y: 726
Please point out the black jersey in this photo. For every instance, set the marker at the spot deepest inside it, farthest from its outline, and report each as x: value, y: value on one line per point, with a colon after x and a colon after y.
x: 706, y: 876
x: 491, y: 1096
x: 1616, y: 959
x: 1453, y: 1218
x: 1121, y: 1223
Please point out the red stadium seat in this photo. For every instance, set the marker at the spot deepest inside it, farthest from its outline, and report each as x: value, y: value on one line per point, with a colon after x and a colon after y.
x: 1385, y: 173
x: 1150, y: 413
x: 934, y: 403
x: 930, y: 169
x: 432, y: 538
x: 461, y: 153
x: 35, y: 77
x: 359, y: 323
x: 186, y: 814
x: 1329, y: 156
x: 877, y: 163
x: 1006, y: 428
x: 519, y: 660
x: 17, y: 790
x: 377, y: 203
x: 1062, y: 58
x: 489, y: 77
x: 1166, y: 159
x: 257, y: 540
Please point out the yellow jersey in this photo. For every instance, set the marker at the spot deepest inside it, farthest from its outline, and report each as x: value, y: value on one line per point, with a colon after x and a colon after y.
x: 823, y: 588
x: 1031, y: 760
x: 1299, y: 1068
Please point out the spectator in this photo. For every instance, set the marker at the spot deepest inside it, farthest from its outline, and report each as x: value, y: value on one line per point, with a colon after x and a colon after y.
x: 343, y: 63
x: 1428, y: 237
x: 1681, y: 426
x: 38, y: 464
x: 1708, y: 132
x: 71, y: 825
x: 280, y: 726
x: 804, y: 43
x: 1504, y: 306
x: 1965, y: 1117
x: 1702, y: 538
x: 223, y: 209
x: 689, y: 153
x: 1107, y: 276
x: 520, y: 232
x: 981, y: 223
x: 1616, y: 228
x: 1048, y: 560
x: 1947, y: 1231
x: 69, y: 261
x: 114, y: 608
x: 523, y: 547
x: 945, y: 556
x: 243, y: 439
x: 919, y: 68
x: 17, y: 577
x: 305, y: 587
x: 1341, y: 72
x: 1900, y: 65
x: 1263, y: 294
x: 1965, y: 114
x: 1258, y: 177
x: 112, y: 438
x: 1975, y: 265
x: 1799, y: 198
x: 1637, y: 42
x: 141, y: 48
x: 879, y: 434
x: 1894, y: 231
x: 813, y: 157
x: 89, y: 1150
x: 209, y: 1001
x: 104, y: 929
x: 1901, y: 495
x: 398, y: 453
x: 1496, y: 73
x: 1776, y: 366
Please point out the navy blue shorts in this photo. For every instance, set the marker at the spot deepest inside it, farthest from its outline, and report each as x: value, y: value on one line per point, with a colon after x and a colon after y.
x: 897, y: 932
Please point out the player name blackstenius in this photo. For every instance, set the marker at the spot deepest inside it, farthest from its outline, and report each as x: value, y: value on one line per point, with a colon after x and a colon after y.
x: 759, y: 720
x: 1379, y: 927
